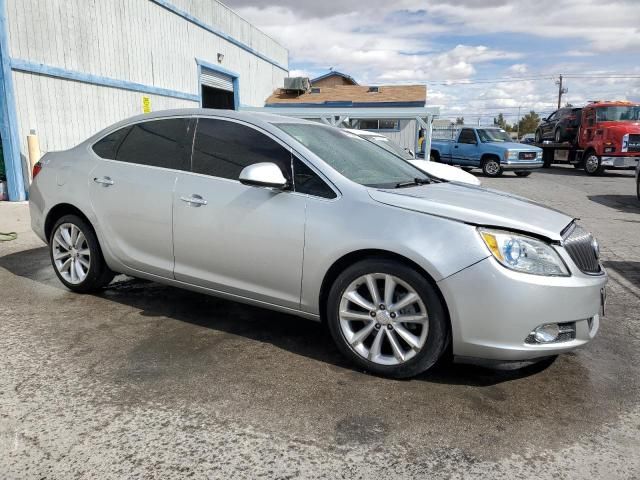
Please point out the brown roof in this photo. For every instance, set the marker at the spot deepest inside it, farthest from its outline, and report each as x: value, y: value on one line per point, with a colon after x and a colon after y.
x: 353, y: 94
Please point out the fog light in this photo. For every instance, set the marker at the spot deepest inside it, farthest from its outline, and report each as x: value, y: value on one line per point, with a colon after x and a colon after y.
x: 546, y: 333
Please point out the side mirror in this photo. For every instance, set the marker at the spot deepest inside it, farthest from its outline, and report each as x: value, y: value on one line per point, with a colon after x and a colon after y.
x: 265, y: 174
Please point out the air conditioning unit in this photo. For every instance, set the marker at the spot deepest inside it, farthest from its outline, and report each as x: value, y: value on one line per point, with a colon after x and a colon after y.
x: 298, y: 84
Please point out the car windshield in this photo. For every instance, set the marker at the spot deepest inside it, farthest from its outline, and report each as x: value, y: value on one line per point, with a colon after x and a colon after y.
x: 390, y: 146
x: 489, y: 135
x: 618, y: 114
x: 353, y: 157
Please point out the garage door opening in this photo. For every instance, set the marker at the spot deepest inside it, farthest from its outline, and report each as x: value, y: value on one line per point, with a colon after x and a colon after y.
x: 217, y: 89
x: 216, y: 98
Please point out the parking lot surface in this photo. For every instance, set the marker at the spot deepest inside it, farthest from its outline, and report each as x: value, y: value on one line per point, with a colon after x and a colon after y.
x: 148, y: 381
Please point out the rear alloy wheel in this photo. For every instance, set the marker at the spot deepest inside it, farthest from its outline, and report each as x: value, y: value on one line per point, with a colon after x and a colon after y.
x: 76, y: 256
x: 522, y: 174
x: 538, y: 136
x: 387, y: 318
x: 491, y: 167
x: 593, y: 164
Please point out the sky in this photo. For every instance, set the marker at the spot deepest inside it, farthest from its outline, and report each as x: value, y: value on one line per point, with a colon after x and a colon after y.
x: 460, y: 48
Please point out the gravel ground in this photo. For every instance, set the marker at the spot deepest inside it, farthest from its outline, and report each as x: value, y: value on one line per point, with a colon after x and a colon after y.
x: 147, y: 381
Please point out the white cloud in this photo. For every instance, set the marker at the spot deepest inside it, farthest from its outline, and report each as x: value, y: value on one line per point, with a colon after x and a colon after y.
x: 518, y: 68
x: 400, y: 42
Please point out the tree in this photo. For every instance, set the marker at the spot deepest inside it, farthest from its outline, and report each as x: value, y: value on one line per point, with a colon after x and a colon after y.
x: 460, y: 121
x: 500, y: 121
x: 529, y: 123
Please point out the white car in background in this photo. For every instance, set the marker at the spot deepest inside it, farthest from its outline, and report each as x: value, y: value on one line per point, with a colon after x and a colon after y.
x: 438, y: 170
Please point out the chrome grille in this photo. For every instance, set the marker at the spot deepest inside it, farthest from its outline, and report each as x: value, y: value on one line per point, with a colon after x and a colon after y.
x: 580, y: 245
x: 527, y: 155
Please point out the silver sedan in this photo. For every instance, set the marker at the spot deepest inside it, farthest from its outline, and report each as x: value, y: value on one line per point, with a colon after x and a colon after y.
x: 311, y: 220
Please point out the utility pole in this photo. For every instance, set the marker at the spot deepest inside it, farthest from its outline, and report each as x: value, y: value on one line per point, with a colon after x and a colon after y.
x: 561, y: 91
x: 518, y: 123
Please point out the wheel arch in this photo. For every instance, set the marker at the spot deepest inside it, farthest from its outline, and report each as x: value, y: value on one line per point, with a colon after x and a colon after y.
x: 435, y: 154
x: 59, y: 211
x: 353, y: 257
x: 487, y: 156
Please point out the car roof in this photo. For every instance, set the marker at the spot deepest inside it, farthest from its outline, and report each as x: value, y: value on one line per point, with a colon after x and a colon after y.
x: 255, y: 118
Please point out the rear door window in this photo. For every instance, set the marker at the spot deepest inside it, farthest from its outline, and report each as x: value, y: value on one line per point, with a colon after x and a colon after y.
x: 157, y: 143
x: 108, y: 146
x: 223, y: 148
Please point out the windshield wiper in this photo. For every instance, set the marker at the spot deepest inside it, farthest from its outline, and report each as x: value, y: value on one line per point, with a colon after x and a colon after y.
x: 415, y: 181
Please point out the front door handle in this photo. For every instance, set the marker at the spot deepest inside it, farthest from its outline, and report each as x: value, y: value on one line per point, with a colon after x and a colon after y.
x: 194, y: 200
x: 104, y: 181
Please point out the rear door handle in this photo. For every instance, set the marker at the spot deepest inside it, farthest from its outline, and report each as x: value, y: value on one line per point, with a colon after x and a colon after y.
x: 194, y: 200
x: 105, y: 181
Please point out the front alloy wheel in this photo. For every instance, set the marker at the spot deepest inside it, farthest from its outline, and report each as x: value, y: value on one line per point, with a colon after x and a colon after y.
x: 383, y: 319
x: 491, y: 167
x: 387, y: 318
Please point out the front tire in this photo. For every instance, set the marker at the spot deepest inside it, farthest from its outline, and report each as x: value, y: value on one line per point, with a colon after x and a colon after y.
x: 76, y: 255
x: 387, y: 318
x: 593, y: 164
x: 491, y: 167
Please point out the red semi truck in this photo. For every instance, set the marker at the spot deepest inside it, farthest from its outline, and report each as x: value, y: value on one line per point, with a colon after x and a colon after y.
x: 608, y: 137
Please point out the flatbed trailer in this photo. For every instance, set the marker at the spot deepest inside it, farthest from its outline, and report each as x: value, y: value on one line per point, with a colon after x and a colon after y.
x: 564, y: 152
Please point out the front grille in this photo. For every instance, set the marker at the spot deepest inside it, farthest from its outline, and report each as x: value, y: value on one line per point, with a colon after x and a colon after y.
x: 634, y: 142
x: 582, y: 249
x: 527, y: 155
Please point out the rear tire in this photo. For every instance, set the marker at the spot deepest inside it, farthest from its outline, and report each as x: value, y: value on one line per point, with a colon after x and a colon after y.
x: 538, y: 136
x: 356, y: 328
x: 76, y: 256
x: 491, y: 167
x: 522, y: 174
x: 434, y: 156
x: 557, y: 136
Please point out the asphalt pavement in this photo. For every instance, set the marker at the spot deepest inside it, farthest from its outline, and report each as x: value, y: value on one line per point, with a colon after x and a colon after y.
x: 148, y: 381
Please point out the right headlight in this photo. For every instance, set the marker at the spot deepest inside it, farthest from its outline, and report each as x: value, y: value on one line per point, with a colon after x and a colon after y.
x: 523, y: 254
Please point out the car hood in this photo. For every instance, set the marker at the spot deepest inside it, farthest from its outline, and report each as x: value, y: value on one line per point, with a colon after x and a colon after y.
x: 515, y: 146
x: 445, y: 172
x: 477, y: 206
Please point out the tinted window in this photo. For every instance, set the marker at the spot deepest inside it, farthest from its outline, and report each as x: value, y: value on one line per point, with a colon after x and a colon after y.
x: 307, y: 181
x: 467, y: 136
x: 159, y: 143
x: 223, y: 149
x: 108, y: 146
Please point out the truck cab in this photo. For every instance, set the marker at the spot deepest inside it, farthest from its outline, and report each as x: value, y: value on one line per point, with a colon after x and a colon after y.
x: 488, y: 148
x: 610, y: 136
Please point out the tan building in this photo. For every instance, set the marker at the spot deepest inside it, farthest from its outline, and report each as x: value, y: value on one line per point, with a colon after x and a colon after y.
x: 336, y: 98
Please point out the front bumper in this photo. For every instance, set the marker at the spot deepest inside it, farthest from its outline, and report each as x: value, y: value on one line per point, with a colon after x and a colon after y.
x: 521, y: 165
x: 494, y: 309
x: 620, y: 162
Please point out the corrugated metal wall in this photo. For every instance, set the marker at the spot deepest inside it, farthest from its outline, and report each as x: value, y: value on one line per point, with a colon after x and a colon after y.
x: 133, y: 40
x: 406, y: 137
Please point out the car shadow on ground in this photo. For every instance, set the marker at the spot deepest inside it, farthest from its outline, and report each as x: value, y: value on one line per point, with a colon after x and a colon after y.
x: 629, y: 270
x: 622, y: 203
x: 287, y: 332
